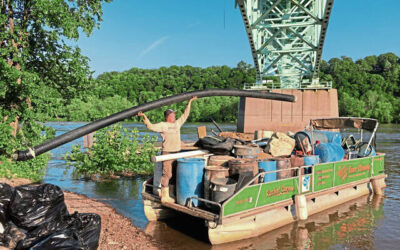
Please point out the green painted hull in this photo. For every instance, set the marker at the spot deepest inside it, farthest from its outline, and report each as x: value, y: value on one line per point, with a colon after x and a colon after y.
x: 260, y: 208
x: 324, y: 177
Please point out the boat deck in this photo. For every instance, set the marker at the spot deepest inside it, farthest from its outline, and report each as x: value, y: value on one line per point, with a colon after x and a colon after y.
x: 193, y: 211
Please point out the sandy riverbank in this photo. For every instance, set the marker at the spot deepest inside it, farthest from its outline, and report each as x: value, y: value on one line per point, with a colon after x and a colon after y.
x: 117, y: 232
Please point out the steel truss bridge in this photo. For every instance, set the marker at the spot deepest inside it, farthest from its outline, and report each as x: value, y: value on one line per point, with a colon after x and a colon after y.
x: 286, y: 39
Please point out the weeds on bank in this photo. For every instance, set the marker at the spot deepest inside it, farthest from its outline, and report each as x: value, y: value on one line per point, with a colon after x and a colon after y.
x: 116, y: 151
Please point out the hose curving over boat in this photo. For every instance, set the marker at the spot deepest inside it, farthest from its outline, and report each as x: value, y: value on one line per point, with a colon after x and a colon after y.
x: 120, y: 116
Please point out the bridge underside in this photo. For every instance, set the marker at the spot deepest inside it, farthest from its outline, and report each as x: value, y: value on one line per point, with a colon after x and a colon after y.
x: 286, y: 39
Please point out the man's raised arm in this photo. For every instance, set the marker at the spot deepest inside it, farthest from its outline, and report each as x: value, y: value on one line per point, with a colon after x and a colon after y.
x: 186, y: 113
x: 153, y: 127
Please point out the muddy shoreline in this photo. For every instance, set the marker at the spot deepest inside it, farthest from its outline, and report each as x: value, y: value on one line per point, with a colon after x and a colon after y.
x: 117, y: 232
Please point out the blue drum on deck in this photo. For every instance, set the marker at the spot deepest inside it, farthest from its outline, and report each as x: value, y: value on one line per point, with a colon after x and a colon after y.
x: 267, y: 166
x: 333, y: 137
x: 189, y: 180
x: 329, y: 152
x: 309, y: 161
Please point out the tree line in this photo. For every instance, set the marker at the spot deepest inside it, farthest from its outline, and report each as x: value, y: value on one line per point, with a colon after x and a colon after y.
x: 368, y: 87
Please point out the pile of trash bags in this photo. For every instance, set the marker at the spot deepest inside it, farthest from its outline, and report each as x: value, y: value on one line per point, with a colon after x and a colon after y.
x: 36, y: 217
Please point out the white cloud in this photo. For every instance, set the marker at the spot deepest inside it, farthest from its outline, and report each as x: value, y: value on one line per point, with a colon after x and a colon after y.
x: 152, y: 46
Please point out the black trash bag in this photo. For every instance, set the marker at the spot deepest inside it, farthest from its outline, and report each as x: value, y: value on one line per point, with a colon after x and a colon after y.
x: 6, y: 195
x: 217, y: 145
x: 16, y: 235
x: 88, y: 226
x: 64, y: 239
x: 41, y: 232
x: 38, y: 206
x: 83, y: 232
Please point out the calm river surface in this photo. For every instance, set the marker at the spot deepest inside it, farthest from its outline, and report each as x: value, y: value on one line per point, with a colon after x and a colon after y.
x: 366, y: 223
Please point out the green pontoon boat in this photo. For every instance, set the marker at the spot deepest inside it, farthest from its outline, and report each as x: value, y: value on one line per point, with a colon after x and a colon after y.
x: 259, y: 207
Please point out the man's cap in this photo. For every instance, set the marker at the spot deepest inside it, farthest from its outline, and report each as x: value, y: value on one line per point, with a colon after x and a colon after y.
x: 168, y: 111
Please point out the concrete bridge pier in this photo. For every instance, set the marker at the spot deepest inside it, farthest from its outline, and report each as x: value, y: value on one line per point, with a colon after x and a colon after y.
x: 258, y: 114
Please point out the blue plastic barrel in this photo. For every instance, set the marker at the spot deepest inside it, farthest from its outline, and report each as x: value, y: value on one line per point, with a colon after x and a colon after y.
x: 268, y: 166
x: 189, y: 180
x: 310, y: 160
x: 333, y: 137
x: 329, y: 152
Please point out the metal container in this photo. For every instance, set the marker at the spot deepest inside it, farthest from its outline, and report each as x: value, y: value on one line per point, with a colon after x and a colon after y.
x: 219, y: 160
x: 242, y: 151
x: 238, y: 166
x: 281, y: 164
x: 297, y: 161
x: 211, y: 173
x: 189, y: 180
x: 222, y: 189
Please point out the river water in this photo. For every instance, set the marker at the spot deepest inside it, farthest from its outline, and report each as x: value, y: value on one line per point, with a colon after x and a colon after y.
x: 366, y: 223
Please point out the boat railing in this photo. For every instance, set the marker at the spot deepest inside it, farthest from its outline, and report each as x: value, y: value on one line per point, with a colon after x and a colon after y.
x: 189, y: 204
x: 322, y: 177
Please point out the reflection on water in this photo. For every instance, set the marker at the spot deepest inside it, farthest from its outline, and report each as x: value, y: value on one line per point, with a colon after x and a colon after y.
x: 365, y: 223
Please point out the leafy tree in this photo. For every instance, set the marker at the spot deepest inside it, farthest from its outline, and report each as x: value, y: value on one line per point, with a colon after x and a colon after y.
x: 34, y: 54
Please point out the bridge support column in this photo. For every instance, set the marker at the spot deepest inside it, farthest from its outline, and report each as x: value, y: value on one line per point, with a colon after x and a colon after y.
x: 257, y: 114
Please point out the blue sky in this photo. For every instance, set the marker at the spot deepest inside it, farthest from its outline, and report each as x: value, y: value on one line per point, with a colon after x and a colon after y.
x: 155, y: 33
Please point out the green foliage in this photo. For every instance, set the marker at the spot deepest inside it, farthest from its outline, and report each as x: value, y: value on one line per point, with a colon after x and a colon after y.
x: 143, y: 85
x: 39, y: 72
x: 116, y: 151
x: 28, y: 135
x: 93, y: 108
x: 369, y: 87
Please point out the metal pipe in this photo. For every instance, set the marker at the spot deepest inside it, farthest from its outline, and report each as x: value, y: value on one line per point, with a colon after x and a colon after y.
x: 216, y: 125
x: 125, y: 114
x: 370, y: 139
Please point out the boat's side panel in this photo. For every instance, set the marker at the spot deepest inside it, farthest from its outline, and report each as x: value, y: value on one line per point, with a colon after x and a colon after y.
x: 325, y: 176
x: 260, y: 195
x: 277, y: 191
x: 331, y: 199
x: 354, y: 170
x: 378, y: 165
x: 250, y: 226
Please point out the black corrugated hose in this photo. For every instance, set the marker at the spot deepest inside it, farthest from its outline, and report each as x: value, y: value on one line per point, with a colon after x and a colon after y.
x: 120, y: 116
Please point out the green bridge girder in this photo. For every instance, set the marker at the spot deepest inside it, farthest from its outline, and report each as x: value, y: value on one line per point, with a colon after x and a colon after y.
x: 286, y: 39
